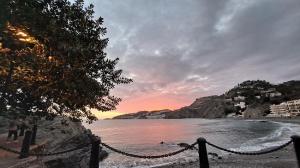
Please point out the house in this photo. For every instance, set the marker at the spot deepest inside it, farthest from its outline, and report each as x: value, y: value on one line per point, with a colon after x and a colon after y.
x: 294, y: 107
x: 286, y: 109
x: 275, y: 94
x: 271, y: 90
x: 280, y: 110
x: 242, y: 105
x: 239, y: 98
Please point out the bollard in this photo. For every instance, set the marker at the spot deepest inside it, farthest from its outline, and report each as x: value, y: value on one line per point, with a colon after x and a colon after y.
x: 203, y: 158
x: 94, y: 158
x: 296, y: 142
x: 25, y: 145
x: 33, y: 136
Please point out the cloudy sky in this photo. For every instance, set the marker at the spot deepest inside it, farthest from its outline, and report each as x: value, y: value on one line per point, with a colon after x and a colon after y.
x: 179, y: 50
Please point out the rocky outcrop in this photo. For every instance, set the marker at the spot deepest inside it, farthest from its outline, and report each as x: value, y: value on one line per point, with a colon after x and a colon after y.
x: 206, y: 107
x: 257, y: 110
x: 60, y: 135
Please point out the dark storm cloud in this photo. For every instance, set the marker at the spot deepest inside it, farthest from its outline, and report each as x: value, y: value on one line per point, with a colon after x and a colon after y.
x: 166, y: 45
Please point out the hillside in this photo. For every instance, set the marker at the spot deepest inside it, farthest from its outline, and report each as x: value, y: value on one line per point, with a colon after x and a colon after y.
x: 206, y: 107
x: 250, y: 99
x: 145, y: 115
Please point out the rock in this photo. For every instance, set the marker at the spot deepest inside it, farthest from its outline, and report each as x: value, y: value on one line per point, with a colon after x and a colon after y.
x: 103, y: 155
x: 55, y: 163
x: 213, y: 154
x: 185, y: 145
x: 63, y: 136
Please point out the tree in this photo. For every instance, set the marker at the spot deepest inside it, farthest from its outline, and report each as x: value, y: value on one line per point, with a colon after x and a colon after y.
x: 51, y: 53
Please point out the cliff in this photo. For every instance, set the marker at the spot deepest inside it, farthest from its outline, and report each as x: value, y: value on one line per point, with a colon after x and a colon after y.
x: 206, y: 107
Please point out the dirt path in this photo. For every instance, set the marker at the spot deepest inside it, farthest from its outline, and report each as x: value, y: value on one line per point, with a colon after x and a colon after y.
x: 11, y: 160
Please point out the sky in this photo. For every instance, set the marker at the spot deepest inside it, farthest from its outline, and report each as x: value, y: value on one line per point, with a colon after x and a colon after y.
x: 179, y: 50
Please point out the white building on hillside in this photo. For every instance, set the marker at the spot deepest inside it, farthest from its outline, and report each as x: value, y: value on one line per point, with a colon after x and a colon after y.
x: 242, y: 105
x: 242, y: 98
x: 275, y: 94
x: 280, y: 110
x: 294, y: 107
x: 286, y: 109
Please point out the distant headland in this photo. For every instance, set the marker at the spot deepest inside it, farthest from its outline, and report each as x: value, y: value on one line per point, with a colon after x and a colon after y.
x: 249, y: 99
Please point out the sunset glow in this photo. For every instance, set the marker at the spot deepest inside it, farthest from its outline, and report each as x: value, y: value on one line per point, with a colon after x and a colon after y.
x: 151, y: 102
x: 104, y: 115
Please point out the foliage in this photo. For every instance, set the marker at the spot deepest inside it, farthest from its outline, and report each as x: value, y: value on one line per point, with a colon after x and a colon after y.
x: 52, y: 56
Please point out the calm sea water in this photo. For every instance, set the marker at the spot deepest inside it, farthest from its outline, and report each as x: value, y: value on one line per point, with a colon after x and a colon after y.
x: 144, y: 137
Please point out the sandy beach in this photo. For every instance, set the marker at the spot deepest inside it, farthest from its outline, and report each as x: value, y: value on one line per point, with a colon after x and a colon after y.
x: 284, y: 158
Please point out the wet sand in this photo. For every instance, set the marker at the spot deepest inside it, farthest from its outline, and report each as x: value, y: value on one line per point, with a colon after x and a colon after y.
x: 284, y: 158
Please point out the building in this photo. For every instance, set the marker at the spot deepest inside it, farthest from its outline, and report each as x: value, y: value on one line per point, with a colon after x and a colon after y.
x: 271, y: 90
x: 286, y: 109
x: 242, y: 105
x: 238, y: 98
x: 294, y: 107
x: 275, y: 94
x: 280, y: 110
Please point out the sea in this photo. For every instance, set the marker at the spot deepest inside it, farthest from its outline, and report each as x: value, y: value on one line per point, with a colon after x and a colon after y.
x: 145, y: 137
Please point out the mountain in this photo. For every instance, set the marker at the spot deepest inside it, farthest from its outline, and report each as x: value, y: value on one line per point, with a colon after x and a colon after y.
x: 205, y: 107
x: 250, y: 99
x: 145, y: 115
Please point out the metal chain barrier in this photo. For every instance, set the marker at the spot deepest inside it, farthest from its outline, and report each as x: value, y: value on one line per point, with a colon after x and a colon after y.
x: 252, y: 153
x: 61, y: 152
x: 9, y: 150
x: 192, y: 146
x: 47, y: 154
x: 149, y: 156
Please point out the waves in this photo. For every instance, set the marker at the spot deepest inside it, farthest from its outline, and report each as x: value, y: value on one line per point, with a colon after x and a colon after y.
x: 239, y: 135
x: 278, y: 137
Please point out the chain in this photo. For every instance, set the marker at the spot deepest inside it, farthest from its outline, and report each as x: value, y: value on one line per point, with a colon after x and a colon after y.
x: 154, y: 156
x: 61, y: 152
x: 47, y: 154
x: 149, y: 156
x: 252, y: 153
x: 10, y: 150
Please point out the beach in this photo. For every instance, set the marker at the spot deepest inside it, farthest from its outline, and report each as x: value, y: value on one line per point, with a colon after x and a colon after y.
x: 284, y: 158
x: 280, y: 159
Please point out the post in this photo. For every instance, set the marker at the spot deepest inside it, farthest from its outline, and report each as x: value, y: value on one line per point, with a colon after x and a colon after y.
x: 94, y: 158
x: 203, y: 158
x: 25, y: 145
x: 33, y: 137
x: 22, y: 131
x: 296, y: 142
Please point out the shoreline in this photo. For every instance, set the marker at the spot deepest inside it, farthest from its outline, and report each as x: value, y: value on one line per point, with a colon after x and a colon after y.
x: 283, y: 158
